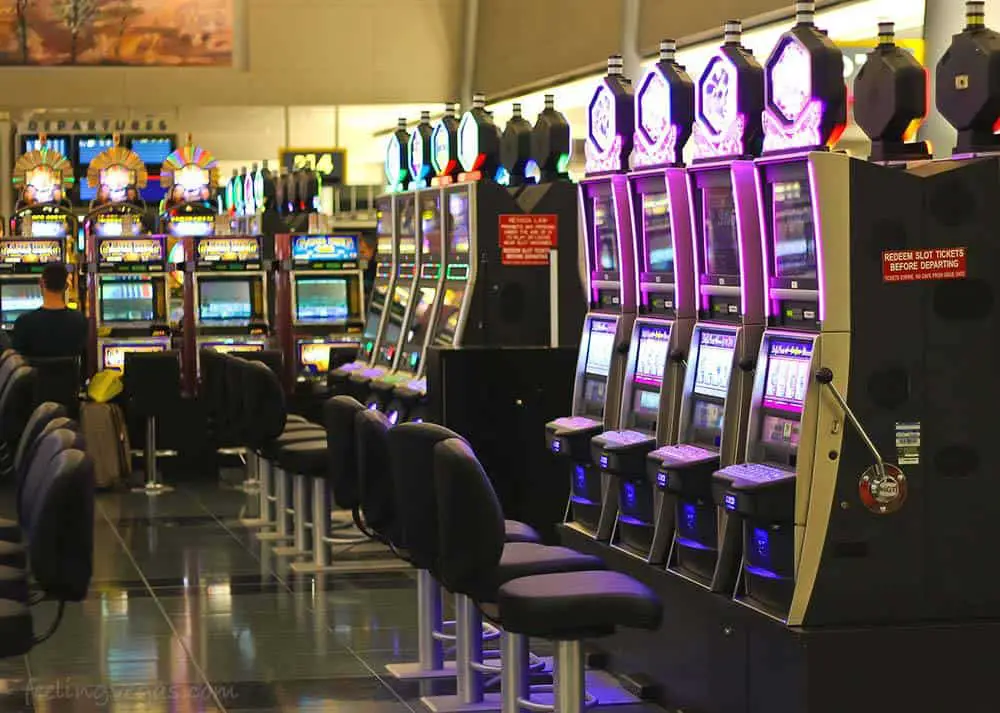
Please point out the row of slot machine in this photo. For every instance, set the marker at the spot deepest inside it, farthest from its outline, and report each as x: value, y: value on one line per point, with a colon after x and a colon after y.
x: 777, y: 375
x: 254, y: 190
x: 477, y: 245
x: 196, y: 286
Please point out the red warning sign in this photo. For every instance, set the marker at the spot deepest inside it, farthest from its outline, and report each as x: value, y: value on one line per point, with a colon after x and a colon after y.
x: 527, y: 239
x: 916, y: 265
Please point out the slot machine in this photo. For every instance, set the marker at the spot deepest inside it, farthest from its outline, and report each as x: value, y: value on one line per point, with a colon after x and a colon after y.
x: 404, y: 266
x: 794, y: 437
x: 715, y: 395
x: 408, y: 364
x: 226, y: 290
x: 116, y: 178
x: 318, y: 302
x: 611, y: 298
x: 661, y: 333
x: 43, y: 229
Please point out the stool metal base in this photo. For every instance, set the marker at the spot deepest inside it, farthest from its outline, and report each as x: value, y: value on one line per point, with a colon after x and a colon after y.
x: 289, y: 551
x: 254, y: 523
x: 273, y: 536
x: 415, y: 672
x: 152, y: 489
x: 454, y: 704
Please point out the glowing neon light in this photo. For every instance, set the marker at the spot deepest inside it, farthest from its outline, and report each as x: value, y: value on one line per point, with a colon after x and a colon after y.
x: 604, y: 145
x: 468, y: 143
x: 804, y: 131
x: 720, y: 128
x: 655, y: 134
x: 791, y: 81
x: 820, y: 272
x: 730, y: 143
x: 758, y: 184
x: 395, y: 172
x: 441, y: 150
x: 597, y: 161
x: 417, y: 168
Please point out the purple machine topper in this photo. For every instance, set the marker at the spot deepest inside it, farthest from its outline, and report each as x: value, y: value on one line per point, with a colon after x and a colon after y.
x: 664, y: 111
x: 730, y: 102
x: 610, y: 122
x: 805, y: 94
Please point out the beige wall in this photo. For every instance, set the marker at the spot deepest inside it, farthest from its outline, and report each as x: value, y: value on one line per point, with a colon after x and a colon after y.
x: 522, y: 43
x: 289, y: 52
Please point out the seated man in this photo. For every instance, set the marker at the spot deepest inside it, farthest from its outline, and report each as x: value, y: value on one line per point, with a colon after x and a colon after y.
x: 52, y: 330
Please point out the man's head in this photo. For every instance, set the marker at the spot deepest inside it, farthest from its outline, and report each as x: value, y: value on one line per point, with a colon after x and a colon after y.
x: 54, y: 279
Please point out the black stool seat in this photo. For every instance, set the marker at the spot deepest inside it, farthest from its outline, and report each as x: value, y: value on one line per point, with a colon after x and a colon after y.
x: 303, y: 425
x: 570, y: 606
x: 10, y: 531
x: 12, y: 554
x: 515, y: 531
x: 295, y: 418
x: 288, y: 438
x: 524, y: 559
x: 306, y: 458
x: 17, y: 635
x: 14, y: 585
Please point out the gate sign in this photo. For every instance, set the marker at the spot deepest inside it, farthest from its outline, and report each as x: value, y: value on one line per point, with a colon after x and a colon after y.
x: 329, y: 164
x: 526, y: 240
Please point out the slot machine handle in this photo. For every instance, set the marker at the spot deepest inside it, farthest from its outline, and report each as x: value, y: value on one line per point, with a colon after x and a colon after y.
x: 825, y: 377
x: 747, y: 365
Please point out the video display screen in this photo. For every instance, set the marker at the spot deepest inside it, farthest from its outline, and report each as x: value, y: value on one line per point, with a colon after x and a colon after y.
x: 787, y: 378
x: 233, y: 347
x: 651, y: 357
x: 430, y: 226
x: 594, y: 391
x: 191, y: 226
x: 605, y: 233
x: 600, y: 347
x: 715, y: 362
x: 778, y: 431
x: 321, y: 299
x: 314, y: 357
x: 127, y: 299
x: 325, y: 248
x: 153, y: 192
x: 375, y: 308
x: 707, y: 416
x: 658, y: 232
x: 383, y: 217
x: 88, y: 147
x: 153, y: 150
x: 406, y: 207
x: 17, y: 298
x: 458, y: 223
x: 719, y: 223
x: 447, y: 323
x: 794, y: 230
x: 422, y: 311
x: 59, y: 144
x: 646, y: 402
x: 113, y: 355
x: 49, y: 226
x: 394, y: 324
x: 224, y: 301
x: 14, y: 251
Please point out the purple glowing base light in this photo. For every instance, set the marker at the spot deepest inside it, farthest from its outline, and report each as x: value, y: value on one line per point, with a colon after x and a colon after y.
x: 661, y: 153
x: 726, y: 143
x: 804, y: 132
x: 598, y: 161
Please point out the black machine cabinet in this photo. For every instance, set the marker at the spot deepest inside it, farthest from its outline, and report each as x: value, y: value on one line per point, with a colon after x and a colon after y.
x: 521, y: 388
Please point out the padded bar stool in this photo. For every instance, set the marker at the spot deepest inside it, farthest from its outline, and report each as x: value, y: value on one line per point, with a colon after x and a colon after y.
x: 474, y: 561
x: 152, y: 382
x: 17, y: 403
x: 10, y: 530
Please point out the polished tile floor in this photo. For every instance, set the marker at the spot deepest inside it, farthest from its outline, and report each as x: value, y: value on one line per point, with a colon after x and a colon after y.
x: 188, y: 612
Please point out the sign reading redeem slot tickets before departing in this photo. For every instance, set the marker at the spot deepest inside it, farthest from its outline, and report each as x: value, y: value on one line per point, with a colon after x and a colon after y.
x: 528, y: 239
x: 917, y: 265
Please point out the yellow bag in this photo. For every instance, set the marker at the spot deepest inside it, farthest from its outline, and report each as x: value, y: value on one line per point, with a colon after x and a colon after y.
x: 105, y: 386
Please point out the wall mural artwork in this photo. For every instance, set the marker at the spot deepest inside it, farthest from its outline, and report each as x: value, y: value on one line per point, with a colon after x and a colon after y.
x: 182, y: 33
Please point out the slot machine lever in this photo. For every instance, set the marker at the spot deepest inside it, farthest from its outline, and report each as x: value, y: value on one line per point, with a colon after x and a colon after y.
x: 825, y: 376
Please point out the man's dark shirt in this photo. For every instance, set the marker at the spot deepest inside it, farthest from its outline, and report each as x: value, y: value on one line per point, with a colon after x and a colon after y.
x: 46, y: 333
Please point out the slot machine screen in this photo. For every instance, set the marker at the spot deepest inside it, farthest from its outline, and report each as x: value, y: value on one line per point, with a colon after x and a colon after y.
x: 233, y: 347
x: 127, y: 299
x: 58, y: 227
x: 321, y: 299
x: 16, y: 299
x: 430, y: 226
x: 651, y: 356
x: 458, y: 224
x: 375, y: 307
x: 113, y: 355
x: 657, y: 232
x: 793, y: 230
x: 447, y: 323
x: 224, y: 301
x: 601, y: 345
x: 393, y: 324
x: 407, y: 209
x: 383, y: 217
x: 787, y: 378
x: 422, y: 311
x: 715, y: 363
x: 605, y: 233
x: 31, y: 142
x: 314, y: 357
x: 719, y: 222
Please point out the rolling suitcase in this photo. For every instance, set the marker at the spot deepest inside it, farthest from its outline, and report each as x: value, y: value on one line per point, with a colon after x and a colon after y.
x: 106, y: 436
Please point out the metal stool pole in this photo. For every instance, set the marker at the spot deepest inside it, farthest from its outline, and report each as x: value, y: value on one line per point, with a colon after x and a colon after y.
x: 569, y: 678
x: 300, y: 518
x: 515, y: 683
x: 153, y: 485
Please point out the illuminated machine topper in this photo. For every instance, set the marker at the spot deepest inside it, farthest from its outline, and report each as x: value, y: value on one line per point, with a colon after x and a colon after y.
x: 190, y: 171
x: 43, y: 175
x: 551, y: 142
x: 312, y: 249
x: 396, y: 164
x: 805, y: 92
x: 729, y: 99
x: 315, y: 356
x: 479, y: 140
x: 967, y: 76
x: 420, y: 149
x: 216, y: 250
x: 664, y: 111
x: 194, y: 225
x: 30, y: 252
x: 148, y: 252
x: 114, y: 172
x: 114, y: 354
x: 444, y: 145
x: 610, y: 122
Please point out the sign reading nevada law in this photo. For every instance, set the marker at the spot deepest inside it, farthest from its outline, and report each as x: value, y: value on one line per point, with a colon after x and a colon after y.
x: 527, y: 239
x: 929, y: 264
